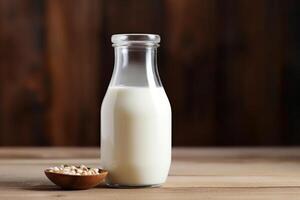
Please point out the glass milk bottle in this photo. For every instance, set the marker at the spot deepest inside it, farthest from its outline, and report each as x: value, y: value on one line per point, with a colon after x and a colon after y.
x: 135, y: 116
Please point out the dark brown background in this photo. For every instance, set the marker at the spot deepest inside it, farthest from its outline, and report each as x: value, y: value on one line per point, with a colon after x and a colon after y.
x: 231, y: 68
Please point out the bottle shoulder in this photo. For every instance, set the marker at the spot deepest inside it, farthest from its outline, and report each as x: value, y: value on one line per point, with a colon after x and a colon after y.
x: 136, y: 98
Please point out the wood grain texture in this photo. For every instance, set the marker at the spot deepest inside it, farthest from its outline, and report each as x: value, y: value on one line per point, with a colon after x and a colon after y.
x: 73, y: 57
x: 222, y: 63
x: 291, y: 71
x: 22, y: 73
x: 190, y: 40
x: 207, y: 173
x: 250, y: 63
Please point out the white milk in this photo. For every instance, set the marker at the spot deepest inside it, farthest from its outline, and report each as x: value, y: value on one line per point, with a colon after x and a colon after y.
x: 136, y: 136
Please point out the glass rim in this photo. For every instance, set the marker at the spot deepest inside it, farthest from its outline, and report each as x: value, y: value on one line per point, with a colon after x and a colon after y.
x: 135, y: 39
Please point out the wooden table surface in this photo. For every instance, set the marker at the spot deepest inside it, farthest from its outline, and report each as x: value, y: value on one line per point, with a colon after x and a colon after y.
x: 196, y: 173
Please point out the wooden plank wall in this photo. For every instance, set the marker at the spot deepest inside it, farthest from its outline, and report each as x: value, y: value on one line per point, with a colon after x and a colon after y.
x: 221, y: 62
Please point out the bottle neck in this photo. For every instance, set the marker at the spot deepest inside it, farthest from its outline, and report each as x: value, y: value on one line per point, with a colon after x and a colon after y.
x: 135, y: 67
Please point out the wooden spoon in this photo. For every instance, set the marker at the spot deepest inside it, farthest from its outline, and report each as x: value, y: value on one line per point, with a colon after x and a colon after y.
x: 76, y: 182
